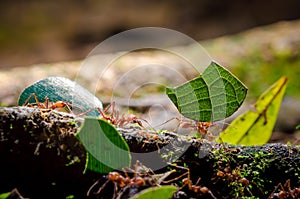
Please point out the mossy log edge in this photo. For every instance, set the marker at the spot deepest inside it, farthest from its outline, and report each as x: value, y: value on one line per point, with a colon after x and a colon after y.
x: 42, y: 157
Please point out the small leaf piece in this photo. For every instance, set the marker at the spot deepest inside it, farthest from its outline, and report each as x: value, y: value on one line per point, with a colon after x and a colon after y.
x: 106, y: 148
x: 162, y: 192
x: 4, y: 195
x: 255, y: 126
x: 213, y: 96
x: 62, y: 89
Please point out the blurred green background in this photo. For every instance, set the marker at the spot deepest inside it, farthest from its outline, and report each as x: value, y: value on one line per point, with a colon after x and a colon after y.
x: 35, y: 31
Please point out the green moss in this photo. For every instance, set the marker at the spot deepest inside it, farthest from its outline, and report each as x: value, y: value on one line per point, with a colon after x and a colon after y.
x: 244, y: 172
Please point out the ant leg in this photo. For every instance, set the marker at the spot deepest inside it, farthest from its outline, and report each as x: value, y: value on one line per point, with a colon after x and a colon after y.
x: 90, y: 189
x: 188, y: 180
x: 28, y: 99
x: 120, y: 122
x: 164, y: 176
x: 46, y: 102
x: 125, y: 172
x: 39, y: 104
x: 115, y: 190
x: 111, y: 117
x: 68, y: 109
x: 112, y: 114
x: 212, y: 195
x: 174, y: 179
x: 102, y: 113
x: 107, y: 108
x: 141, y: 125
x: 115, y: 118
x: 169, y: 120
x: 198, y: 181
x: 99, y: 190
x: 64, y: 106
x: 288, y: 184
x: 86, y: 112
x: 105, y: 111
x: 135, y: 169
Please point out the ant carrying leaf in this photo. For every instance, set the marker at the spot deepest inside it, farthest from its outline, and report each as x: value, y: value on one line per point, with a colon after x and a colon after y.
x: 59, y: 105
x: 206, y: 130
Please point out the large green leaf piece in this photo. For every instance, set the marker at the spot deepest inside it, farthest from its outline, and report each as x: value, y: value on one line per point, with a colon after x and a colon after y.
x: 162, y: 192
x: 62, y: 89
x: 255, y: 127
x: 213, y: 96
x: 106, y: 148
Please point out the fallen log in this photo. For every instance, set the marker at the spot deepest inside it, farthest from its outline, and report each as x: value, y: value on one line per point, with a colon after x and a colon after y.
x: 42, y: 158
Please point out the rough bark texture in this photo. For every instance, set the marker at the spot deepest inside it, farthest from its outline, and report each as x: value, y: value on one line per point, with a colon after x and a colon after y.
x: 42, y: 158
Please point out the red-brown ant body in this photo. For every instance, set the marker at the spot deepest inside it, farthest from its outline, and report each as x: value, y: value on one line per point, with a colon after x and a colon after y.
x: 193, y: 187
x: 141, y: 178
x: 58, y: 105
x: 113, y: 117
x: 285, y: 191
x: 200, y: 127
x: 117, y: 121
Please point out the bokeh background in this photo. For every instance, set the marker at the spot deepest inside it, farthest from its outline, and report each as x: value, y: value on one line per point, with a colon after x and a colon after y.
x: 258, y: 40
x: 34, y: 31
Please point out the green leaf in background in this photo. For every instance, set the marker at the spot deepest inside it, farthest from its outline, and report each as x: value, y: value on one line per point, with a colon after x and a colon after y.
x: 4, y: 195
x: 106, y: 148
x: 162, y: 192
x: 62, y: 89
x: 213, y: 96
x: 255, y: 126
x: 298, y: 127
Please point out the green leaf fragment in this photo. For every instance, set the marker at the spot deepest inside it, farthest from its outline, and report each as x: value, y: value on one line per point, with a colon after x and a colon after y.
x: 255, y: 126
x: 62, y: 89
x: 4, y: 195
x: 162, y: 192
x: 213, y: 96
x: 106, y: 148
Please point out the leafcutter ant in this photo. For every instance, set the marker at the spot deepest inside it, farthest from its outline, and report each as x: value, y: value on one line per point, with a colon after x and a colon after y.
x: 285, y: 191
x: 142, y: 177
x: 204, y: 129
x: 58, y: 105
x: 188, y: 182
x: 233, y: 176
x: 113, y: 117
